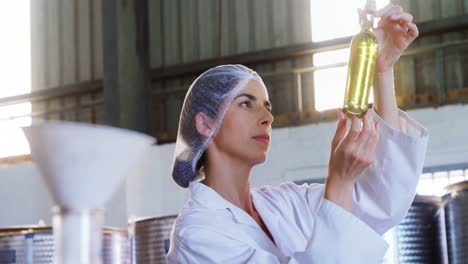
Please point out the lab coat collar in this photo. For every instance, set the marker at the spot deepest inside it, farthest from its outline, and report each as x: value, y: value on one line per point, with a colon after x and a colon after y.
x: 207, y: 197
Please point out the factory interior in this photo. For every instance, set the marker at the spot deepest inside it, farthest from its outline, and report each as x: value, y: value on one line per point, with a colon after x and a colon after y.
x: 91, y: 100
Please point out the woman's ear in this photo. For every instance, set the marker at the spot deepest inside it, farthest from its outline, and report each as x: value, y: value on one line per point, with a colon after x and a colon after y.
x: 204, y: 124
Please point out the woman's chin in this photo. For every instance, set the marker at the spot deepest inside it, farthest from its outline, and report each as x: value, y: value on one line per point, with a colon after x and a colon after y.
x: 255, y: 156
x: 260, y: 159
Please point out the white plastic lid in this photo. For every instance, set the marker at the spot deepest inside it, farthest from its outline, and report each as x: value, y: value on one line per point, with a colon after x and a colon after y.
x: 371, y: 6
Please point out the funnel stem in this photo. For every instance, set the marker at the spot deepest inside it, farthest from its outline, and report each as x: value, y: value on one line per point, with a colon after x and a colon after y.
x: 78, y: 236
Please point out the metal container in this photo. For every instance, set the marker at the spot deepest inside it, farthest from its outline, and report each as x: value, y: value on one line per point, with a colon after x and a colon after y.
x: 12, y: 246
x: 456, y: 218
x: 150, y: 239
x: 116, y: 246
x: 35, y: 244
x: 421, y: 235
x: 26, y: 244
x: 41, y: 245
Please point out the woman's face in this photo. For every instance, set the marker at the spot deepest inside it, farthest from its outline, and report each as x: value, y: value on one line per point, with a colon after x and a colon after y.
x: 245, y: 131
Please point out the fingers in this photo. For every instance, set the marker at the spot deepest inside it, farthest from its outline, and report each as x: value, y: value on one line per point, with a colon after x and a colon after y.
x: 369, y: 135
x: 367, y: 127
x: 370, y: 143
x: 357, y: 151
x: 384, y: 10
x: 368, y: 139
x: 399, y: 21
x: 357, y: 137
x: 402, y: 24
x: 408, y: 29
x: 388, y: 10
x: 402, y: 16
x: 413, y: 30
x: 377, y: 129
x: 367, y: 149
x: 402, y: 19
x: 353, y: 133
x: 340, y: 129
x: 395, y: 14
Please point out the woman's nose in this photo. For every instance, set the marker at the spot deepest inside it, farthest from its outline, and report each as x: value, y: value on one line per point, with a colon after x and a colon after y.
x: 267, y: 118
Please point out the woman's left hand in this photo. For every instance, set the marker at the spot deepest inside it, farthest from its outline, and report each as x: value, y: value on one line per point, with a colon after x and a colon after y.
x: 395, y: 32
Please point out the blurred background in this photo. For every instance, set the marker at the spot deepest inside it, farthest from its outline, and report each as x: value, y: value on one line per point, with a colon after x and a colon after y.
x: 129, y: 64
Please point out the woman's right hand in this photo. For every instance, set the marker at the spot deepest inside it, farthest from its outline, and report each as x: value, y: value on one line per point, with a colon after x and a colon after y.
x: 351, y: 154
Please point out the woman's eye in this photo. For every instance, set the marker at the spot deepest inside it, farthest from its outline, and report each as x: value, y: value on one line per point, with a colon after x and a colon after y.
x: 246, y: 104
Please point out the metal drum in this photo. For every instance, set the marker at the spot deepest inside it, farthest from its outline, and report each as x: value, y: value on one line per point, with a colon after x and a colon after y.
x: 150, y: 239
x: 26, y: 244
x: 116, y: 246
x: 12, y: 246
x: 41, y: 245
x: 35, y: 244
x: 456, y: 218
x: 421, y: 235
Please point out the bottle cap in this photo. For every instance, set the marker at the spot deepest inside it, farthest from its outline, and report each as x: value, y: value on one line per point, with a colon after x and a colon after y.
x: 371, y: 6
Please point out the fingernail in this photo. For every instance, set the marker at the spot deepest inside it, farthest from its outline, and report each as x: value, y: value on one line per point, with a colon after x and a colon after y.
x: 342, y: 115
x: 338, y: 114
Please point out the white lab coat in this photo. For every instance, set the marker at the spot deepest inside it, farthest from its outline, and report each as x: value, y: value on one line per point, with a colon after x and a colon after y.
x: 307, y: 228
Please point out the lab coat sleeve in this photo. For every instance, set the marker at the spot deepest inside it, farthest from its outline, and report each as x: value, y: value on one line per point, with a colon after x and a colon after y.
x: 338, y: 237
x: 383, y: 194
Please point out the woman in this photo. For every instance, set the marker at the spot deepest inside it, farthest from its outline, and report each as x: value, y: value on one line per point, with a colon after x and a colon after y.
x: 224, y: 132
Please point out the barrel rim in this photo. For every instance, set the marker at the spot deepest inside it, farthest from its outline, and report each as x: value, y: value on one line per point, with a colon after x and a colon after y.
x: 427, y: 199
x: 114, y: 230
x: 22, y: 230
x: 458, y: 186
x: 150, y: 218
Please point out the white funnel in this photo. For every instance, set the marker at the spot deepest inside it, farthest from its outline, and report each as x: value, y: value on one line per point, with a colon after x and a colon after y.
x: 82, y: 165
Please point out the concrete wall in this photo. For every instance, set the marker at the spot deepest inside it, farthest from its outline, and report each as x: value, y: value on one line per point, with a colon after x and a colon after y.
x: 150, y: 191
x: 24, y: 199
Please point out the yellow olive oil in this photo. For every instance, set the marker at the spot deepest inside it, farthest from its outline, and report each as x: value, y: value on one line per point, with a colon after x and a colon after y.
x: 363, y: 53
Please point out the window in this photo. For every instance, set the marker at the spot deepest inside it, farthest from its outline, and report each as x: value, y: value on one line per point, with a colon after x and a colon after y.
x: 434, y: 180
x: 330, y: 81
x: 333, y: 19
x: 15, y: 66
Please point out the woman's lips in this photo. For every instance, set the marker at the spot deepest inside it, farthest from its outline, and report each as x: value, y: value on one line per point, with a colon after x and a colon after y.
x: 263, y: 138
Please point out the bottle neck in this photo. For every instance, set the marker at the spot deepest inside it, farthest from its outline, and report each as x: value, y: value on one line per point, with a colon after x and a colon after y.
x: 367, y: 23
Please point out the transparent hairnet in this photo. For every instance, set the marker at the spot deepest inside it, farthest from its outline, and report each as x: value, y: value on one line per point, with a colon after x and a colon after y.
x: 211, y: 93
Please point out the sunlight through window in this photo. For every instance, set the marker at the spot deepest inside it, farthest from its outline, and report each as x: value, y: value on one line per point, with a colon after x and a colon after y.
x: 15, y: 66
x: 330, y: 83
x: 434, y: 183
x: 333, y: 19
